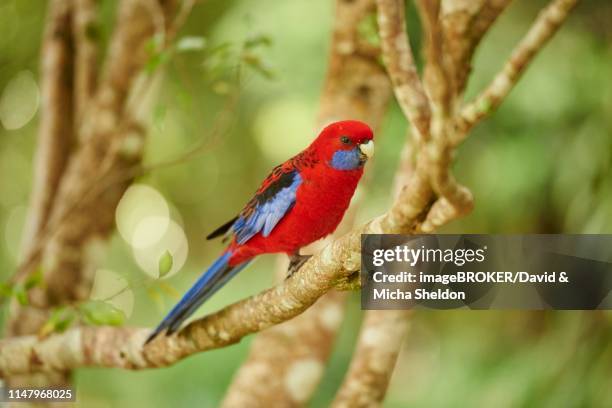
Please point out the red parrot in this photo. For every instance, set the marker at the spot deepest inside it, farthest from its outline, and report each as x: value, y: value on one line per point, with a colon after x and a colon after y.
x: 301, y: 201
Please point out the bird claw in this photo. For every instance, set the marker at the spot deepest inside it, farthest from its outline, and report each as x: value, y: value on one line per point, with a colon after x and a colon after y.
x: 295, y: 262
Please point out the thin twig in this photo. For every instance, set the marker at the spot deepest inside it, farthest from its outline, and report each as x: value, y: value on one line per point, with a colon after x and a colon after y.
x: 544, y: 27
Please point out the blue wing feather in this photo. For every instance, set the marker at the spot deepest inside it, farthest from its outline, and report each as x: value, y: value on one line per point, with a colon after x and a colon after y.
x: 265, y: 211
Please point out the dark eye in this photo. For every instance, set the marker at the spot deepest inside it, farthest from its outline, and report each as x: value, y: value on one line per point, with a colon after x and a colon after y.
x: 345, y: 140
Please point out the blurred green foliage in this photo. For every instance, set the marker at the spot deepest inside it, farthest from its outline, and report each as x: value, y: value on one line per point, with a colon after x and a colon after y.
x: 541, y: 164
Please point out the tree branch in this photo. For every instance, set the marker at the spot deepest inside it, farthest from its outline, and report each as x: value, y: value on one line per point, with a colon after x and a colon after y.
x: 55, y: 136
x: 85, y: 31
x: 400, y: 65
x: 287, y: 361
x: 122, y: 347
x: 379, y: 343
x: 438, y: 79
x: 465, y: 23
x: 68, y: 257
x: 545, y: 26
x: 355, y: 86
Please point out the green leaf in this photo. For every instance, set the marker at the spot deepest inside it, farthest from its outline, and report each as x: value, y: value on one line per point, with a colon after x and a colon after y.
x: 367, y: 28
x: 35, y: 279
x: 224, y: 48
x: 64, y: 323
x: 157, y: 55
x: 165, y: 263
x: 156, y: 60
x: 257, y: 40
x: 98, y: 313
x: 154, y: 43
x: 21, y: 295
x: 219, y: 60
x: 60, y: 320
x: 258, y: 65
x: 485, y: 106
x: 6, y: 289
x: 191, y: 44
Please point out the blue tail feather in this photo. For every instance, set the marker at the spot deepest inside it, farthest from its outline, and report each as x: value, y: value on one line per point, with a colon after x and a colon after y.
x: 212, y: 280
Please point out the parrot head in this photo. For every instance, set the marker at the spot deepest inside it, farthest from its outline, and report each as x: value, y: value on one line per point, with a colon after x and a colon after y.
x: 345, y: 145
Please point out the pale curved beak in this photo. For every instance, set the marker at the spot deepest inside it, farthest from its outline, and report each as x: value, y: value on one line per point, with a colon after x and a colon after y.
x: 367, y: 149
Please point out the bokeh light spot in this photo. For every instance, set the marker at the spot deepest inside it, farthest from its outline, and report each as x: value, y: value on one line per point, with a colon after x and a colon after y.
x: 149, y: 231
x: 13, y: 230
x: 174, y: 241
x: 142, y: 216
x: 284, y: 128
x: 19, y: 101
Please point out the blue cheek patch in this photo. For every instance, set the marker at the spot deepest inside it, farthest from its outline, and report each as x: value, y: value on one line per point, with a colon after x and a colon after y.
x: 346, y: 159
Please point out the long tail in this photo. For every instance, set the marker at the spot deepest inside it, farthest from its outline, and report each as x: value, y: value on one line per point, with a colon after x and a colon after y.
x: 212, y: 280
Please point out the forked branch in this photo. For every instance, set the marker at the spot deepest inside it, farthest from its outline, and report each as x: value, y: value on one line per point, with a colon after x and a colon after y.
x: 545, y: 26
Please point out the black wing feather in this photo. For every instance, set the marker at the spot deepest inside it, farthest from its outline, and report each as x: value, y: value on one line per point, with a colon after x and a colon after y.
x: 281, y: 177
x: 222, y: 229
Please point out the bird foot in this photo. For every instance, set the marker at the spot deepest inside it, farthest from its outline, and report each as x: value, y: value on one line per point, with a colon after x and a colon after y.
x: 295, y: 262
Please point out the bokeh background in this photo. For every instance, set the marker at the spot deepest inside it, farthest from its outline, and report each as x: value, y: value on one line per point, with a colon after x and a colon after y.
x: 541, y: 164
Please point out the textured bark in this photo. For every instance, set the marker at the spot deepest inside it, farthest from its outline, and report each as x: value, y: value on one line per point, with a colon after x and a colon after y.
x: 437, y: 126
x: 355, y: 85
x: 440, y: 87
x: 399, y: 61
x: 465, y: 22
x: 438, y: 79
x: 77, y: 223
x: 85, y: 29
x: 55, y: 135
x: 66, y: 252
x: 378, y: 346
x: 286, y: 362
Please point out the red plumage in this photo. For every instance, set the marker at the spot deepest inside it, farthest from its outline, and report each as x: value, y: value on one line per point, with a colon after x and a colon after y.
x: 321, y: 199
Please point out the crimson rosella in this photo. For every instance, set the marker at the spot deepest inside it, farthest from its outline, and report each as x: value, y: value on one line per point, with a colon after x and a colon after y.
x: 301, y: 201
